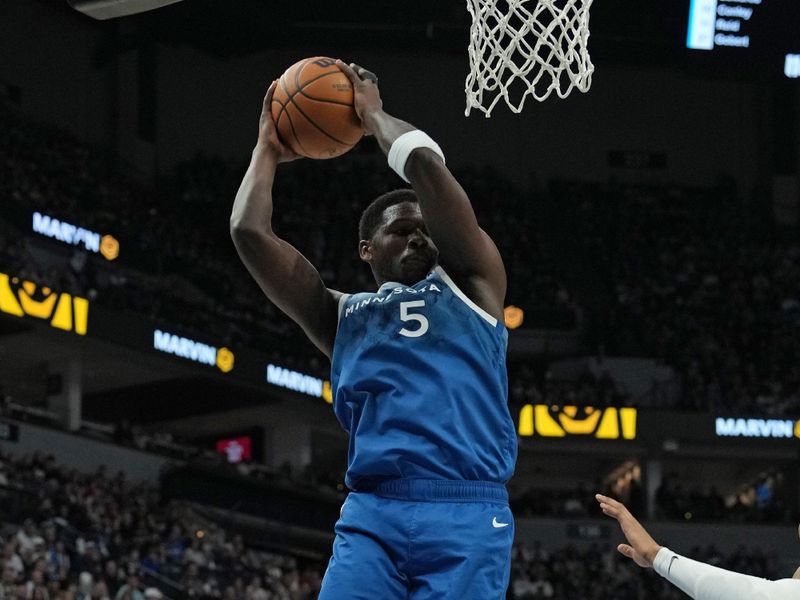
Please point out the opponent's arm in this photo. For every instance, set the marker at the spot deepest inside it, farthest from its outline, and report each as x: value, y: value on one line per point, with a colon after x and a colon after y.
x: 466, y: 252
x: 698, y: 580
x: 286, y: 277
x: 706, y: 582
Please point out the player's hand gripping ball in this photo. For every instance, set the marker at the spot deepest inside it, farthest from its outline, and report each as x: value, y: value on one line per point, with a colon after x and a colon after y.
x: 313, y: 109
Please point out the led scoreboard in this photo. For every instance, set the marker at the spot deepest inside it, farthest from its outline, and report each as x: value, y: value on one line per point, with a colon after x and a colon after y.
x: 747, y: 35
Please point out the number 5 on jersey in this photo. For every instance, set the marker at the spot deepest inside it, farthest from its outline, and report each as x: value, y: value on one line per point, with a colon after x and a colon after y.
x: 406, y: 316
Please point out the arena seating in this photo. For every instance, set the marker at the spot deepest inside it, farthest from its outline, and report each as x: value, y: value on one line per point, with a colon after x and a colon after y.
x: 599, y: 572
x: 68, y: 535
x: 692, y: 273
x: 702, y: 279
x: 178, y: 263
x: 71, y: 535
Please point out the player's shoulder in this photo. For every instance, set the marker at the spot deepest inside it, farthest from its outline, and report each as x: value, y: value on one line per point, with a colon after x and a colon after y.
x: 337, y: 297
x: 471, y: 298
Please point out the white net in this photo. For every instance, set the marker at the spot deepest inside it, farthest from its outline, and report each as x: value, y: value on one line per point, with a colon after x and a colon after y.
x: 521, y: 48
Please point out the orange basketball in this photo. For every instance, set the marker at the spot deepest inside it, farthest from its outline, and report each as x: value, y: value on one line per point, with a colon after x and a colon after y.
x: 313, y: 109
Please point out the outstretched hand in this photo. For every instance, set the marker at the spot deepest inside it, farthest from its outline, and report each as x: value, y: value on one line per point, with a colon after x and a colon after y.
x: 641, y: 548
x: 366, y: 96
x: 268, y: 132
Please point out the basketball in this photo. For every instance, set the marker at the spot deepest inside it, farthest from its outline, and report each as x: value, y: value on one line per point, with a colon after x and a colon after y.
x: 313, y: 109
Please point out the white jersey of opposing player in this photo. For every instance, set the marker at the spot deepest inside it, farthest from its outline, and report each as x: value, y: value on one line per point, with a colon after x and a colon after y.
x: 704, y: 582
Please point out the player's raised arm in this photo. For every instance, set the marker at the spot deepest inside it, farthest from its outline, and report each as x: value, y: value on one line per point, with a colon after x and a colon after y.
x: 465, y: 251
x: 699, y: 580
x: 285, y: 275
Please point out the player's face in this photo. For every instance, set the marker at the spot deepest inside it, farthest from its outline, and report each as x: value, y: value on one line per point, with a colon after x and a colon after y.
x: 400, y: 250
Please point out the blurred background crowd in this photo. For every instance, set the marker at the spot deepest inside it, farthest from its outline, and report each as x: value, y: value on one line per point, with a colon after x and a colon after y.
x: 697, y: 278
x: 68, y: 535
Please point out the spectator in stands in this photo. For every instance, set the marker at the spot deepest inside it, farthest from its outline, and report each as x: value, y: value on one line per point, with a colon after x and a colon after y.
x: 11, y: 559
x: 8, y: 582
x: 85, y: 586
x: 101, y: 591
x: 153, y: 593
x: 132, y: 590
x: 112, y: 578
x: 27, y: 537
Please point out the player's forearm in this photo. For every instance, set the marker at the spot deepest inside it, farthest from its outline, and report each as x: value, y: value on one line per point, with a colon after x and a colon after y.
x: 386, y: 128
x: 704, y: 582
x: 463, y: 247
x: 252, y: 208
x: 445, y: 206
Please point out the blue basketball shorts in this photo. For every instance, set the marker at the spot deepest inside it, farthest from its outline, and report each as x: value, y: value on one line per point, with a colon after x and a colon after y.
x: 421, y: 539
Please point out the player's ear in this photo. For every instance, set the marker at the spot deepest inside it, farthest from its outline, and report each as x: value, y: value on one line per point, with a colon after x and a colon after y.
x: 365, y: 250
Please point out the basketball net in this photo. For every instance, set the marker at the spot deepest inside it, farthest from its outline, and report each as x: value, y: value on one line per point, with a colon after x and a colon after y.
x: 521, y: 48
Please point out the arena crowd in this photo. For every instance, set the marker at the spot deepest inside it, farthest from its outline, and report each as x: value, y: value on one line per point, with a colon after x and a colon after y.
x: 68, y: 535
x: 698, y: 278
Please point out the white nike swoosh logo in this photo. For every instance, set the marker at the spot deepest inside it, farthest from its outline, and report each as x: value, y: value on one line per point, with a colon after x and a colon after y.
x: 671, y: 560
x: 497, y: 524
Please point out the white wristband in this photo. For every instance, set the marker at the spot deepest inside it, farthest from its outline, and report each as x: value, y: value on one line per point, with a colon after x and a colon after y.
x: 403, y: 146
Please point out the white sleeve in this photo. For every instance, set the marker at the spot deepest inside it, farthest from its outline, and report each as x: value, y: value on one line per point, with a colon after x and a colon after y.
x: 704, y: 582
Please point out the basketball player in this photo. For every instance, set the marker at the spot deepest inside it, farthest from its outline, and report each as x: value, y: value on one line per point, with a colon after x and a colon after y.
x: 698, y: 580
x: 418, y: 370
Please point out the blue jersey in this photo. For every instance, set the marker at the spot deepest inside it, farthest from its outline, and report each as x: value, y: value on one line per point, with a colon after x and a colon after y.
x: 419, y: 382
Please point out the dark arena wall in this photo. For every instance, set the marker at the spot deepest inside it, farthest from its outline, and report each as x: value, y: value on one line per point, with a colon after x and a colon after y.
x: 164, y: 103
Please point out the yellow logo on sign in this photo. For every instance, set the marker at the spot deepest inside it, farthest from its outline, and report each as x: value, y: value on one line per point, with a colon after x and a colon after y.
x: 62, y: 310
x: 109, y: 247
x: 327, y: 392
x: 567, y: 421
x: 225, y: 360
x: 513, y: 316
